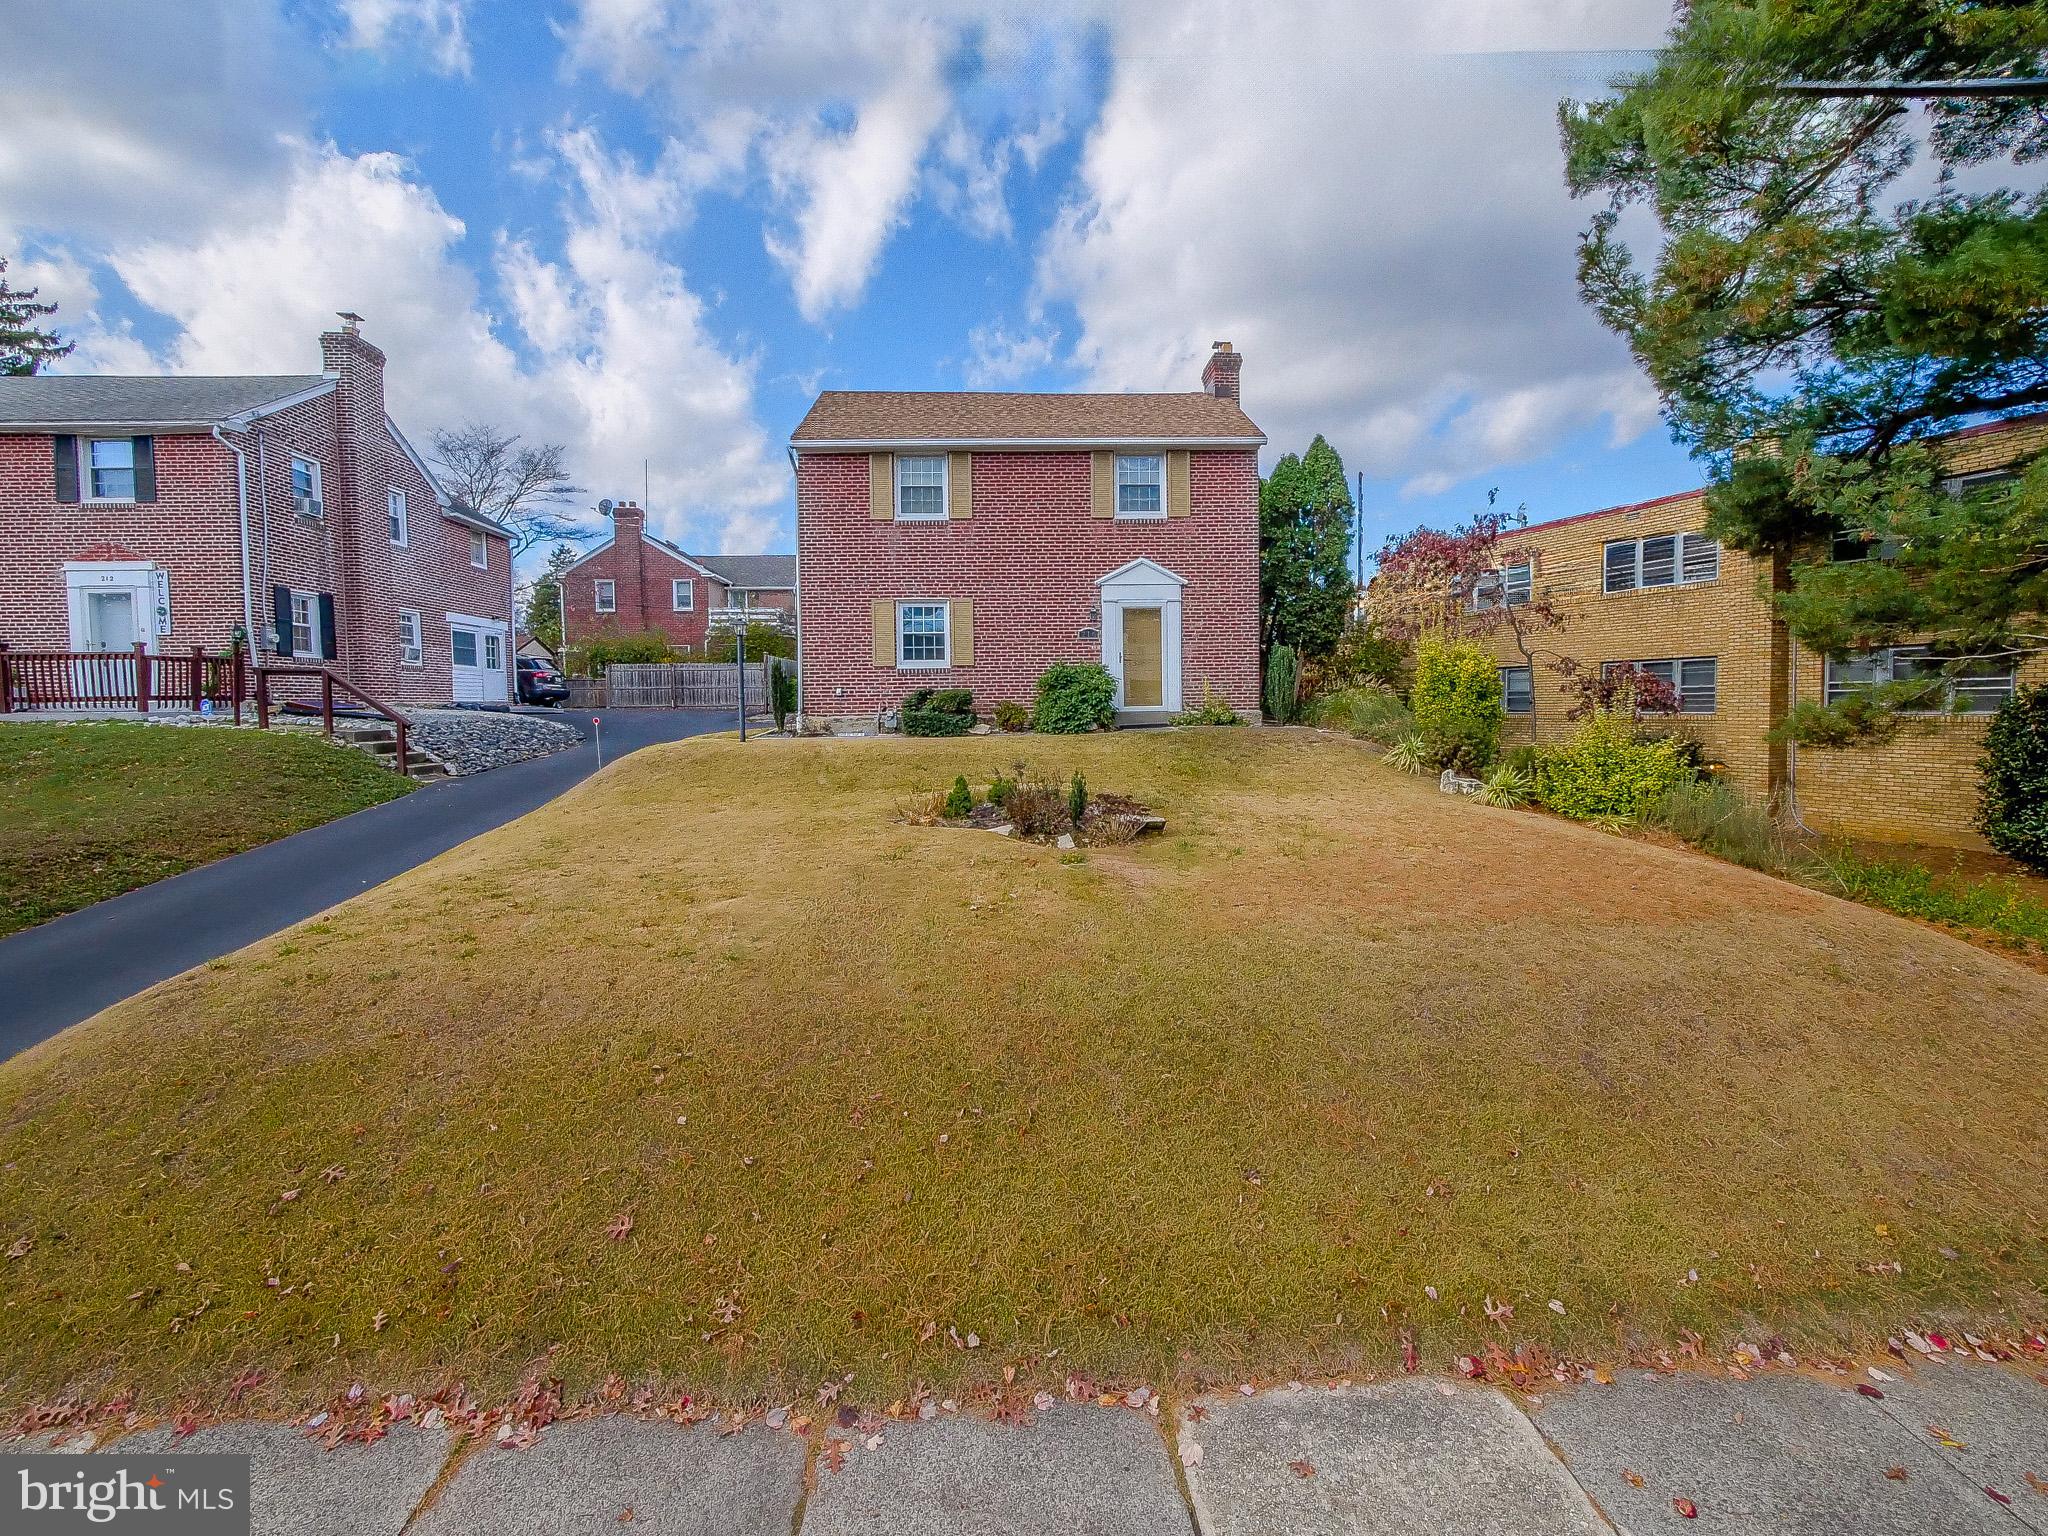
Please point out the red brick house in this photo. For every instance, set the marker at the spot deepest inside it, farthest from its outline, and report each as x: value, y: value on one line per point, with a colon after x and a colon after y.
x: 634, y: 582
x: 970, y: 540
x: 287, y: 508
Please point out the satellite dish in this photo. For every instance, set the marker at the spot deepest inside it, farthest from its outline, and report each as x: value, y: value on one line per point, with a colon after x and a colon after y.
x: 605, y: 506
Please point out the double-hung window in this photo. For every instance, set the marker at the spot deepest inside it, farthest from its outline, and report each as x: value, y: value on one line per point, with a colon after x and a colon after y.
x: 1973, y: 687
x: 1518, y: 690
x: 410, y: 651
x: 1141, y: 485
x: 394, y: 502
x: 604, y: 597
x: 1694, y: 679
x: 921, y: 487
x: 110, y: 468
x: 305, y: 487
x: 479, y: 550
x: 1663, y: 560
x: 682, y: 594
x: 1508, y: 587
x: 306, y: 624
x: 921, y: 635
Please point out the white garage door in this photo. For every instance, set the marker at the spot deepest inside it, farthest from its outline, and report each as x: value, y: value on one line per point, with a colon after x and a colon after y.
x: 476, y: 655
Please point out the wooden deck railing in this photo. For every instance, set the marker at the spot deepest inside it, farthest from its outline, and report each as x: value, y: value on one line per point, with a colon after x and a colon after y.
x: 329, y: 686
x: 136, y: 679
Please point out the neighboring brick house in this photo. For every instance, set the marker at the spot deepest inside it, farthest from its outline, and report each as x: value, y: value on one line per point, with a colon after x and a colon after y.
x: 1644, y: 584
x: 289, y: 509
x: 634, y: 583
x: 971, y: 540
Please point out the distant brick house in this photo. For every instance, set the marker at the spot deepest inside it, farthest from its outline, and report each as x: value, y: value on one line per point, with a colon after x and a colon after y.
x: 180, y: 512
x: 634, y: 583
x: 1645, y: 584
x: 971, y: 540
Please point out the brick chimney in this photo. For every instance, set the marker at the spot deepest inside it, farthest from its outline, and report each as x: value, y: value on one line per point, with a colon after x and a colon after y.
x: 1219, y: 375
x: 355, y: 478
x: 629, y: 527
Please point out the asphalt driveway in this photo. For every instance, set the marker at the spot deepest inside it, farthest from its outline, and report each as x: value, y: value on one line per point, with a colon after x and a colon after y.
x: 73, y: 966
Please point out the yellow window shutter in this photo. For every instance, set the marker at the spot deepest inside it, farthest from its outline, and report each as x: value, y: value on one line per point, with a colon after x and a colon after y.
x: 882, y: 487
x: 959, y: 485
x: 885, y: 632
x: 1180, y: 499
x: 961, y: 620
x: 1105, y: 484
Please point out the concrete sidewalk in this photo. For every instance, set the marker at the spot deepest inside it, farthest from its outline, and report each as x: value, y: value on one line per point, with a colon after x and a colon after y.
x: 1947, y: 1447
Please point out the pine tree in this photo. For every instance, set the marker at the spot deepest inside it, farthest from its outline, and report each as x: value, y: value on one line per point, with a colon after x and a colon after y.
x: 1305, y: 584
x: 26, y: 346
x: 1810, y: 332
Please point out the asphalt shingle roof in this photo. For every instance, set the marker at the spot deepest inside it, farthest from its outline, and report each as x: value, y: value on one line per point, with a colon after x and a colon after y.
x: 84, y: 399
x: 849, y: 415
x: 752, y: 571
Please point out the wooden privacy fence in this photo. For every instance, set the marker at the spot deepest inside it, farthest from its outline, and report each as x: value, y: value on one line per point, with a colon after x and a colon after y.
x: 134, y: 679
x: 685, y: 685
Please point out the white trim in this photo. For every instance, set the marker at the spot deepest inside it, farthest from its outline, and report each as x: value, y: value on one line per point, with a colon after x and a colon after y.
x: 1140, y: 571
x: 802, y: 445
x: 83, y: 448
x: 403, y: 538
x: 419, y: 638
x: 471, y: 621
x: 319, y: 498
x: 1144, y: 583
x: 134, y: 577
x: 441, y: 495
x: 945, y: 511
x: 597, y: 606
x: 945, y: 607
x: 242, y: 420
x: 1116, y: 483
x: 685, y: 588
x: 479, y: 545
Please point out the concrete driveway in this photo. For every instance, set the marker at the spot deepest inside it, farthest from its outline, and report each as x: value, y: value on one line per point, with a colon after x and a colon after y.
x: 73, y: 966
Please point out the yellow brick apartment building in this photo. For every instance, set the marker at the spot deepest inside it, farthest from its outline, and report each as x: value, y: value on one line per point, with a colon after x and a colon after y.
x: 1644, y: 584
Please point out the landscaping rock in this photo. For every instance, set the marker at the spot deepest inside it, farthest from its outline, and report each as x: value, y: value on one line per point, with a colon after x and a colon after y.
x: 1065, y: 843
x: 1004, y: 830
x: 1076, y: 1471
x: 474, y: 740
x: 1782, y: 1453
x: 632, y: 1474
x: 1410, y: 1457
x: 297, y: 1487
x: 1451, y: 782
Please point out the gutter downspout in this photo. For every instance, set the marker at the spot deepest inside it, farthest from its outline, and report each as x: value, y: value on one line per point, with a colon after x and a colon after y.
x: 242, y: 510
x: 797, y: 596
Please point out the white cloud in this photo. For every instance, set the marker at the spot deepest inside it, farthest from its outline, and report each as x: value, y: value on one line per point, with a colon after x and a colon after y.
x: 1383, y: 231
x: 605, y: 349
x: 998, y: 356
x: 438, y: 28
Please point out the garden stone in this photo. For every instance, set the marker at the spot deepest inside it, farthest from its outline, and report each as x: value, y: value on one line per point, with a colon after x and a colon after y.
x: 1066, y: 842
x: 1452, y: 782
x: 1004, y: 830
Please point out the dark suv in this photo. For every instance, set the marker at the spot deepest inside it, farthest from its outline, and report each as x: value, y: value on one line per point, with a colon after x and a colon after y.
x: 540, y: 683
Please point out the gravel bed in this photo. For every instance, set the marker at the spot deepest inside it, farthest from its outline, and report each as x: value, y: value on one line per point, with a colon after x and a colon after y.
x: 472, y: 740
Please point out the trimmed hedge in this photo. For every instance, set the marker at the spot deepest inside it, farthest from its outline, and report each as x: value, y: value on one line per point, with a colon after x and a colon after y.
x: 1074, y: 697
x: 938, y: 712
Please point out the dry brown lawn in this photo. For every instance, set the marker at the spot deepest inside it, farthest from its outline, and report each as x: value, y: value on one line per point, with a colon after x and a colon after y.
x: 1220, y: 1103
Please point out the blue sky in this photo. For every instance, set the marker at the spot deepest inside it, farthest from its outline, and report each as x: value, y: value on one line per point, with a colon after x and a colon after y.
x: 652, y: 229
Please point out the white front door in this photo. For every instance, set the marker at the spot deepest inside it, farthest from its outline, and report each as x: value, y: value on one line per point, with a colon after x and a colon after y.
x: 1141, y: 635
x: 476, y: 655
x: 109, y: 612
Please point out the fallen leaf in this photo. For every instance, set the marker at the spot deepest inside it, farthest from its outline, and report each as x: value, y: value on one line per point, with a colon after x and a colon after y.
x: 1190, y: 1454
x: 377, y: 1323
x: 1995, y: 1494
x: 1687, y: 1508
x: 2038, y: 1483
x: 1896, y: 1474
x: 1302, y: 1468
x: 833, y: 1455
x: 1865, y: 1389
x: 619, y: 1226
x: 1557, y: 1306
x: 1633, y: 1479
x: 18, y: 1249
x: 1499, y: 1311
x: 1943, y: 1438
x: 626, y: 1514
x: 1409, y: 1362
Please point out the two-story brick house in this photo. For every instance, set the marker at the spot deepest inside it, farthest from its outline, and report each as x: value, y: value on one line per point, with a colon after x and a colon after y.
x: 285, y: 509
x: 636, y: 583
x: 1644, y: 584
x: 970, y: 540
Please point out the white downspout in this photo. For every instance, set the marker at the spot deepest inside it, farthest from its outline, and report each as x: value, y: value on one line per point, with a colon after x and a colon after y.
x: 797, y: 595
x: 242, y: 510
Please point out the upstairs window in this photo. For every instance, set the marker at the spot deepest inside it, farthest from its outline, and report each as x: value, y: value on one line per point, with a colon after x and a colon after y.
x: 110, y: 469
x: 410, y: 651
x: 682, y: 595
x: 1509, y: 587
x: 1518, y: 690
x: 1663, y: 560
x: 604, y: 597
x: 306, y: 487
x: 395, y: 505
x: 921, y: 487
x: 1974, y: 687
x: 479, y: 550
x: 921, y: 635
x: 1140, y: 485
x: 1858, y: 544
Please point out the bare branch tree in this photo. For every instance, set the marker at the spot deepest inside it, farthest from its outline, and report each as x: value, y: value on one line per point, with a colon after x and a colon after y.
x: 525, y: 487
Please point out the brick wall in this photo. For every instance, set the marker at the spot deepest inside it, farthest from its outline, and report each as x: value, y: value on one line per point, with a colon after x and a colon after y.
x: 1028, y: 558
x: 642, y: 573
x: 192, y: 531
